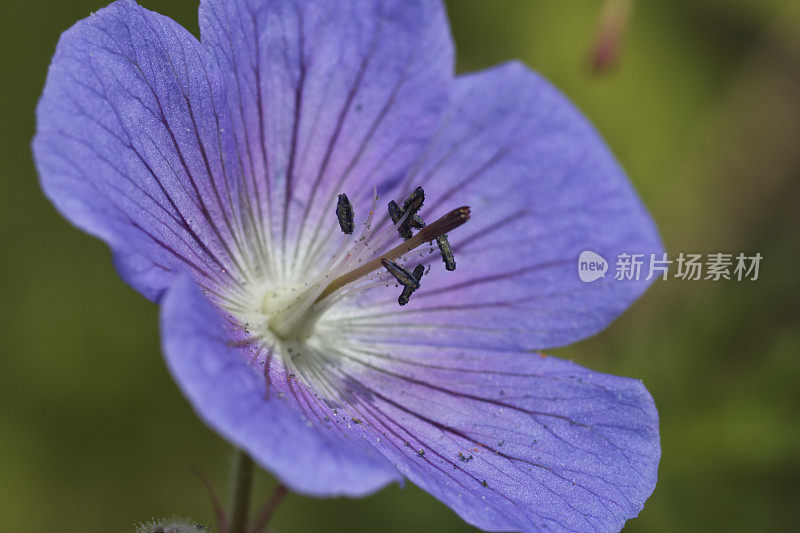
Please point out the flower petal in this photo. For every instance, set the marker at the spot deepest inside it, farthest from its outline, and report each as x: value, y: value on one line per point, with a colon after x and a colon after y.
x: 512, y: 441
x: 131, y: 145
x: 543, y: 187
x: 231, y: 396
x: 326, y: 97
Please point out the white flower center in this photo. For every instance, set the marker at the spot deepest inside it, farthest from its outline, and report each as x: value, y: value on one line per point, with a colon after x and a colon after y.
x: 288, y: 312
x: 283, y: 316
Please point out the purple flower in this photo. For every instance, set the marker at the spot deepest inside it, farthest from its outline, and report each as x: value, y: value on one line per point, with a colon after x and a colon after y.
x: 213, y: 170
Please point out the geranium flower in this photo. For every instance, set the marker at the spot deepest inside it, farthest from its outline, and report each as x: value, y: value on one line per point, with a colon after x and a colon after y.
x: 213, y: 169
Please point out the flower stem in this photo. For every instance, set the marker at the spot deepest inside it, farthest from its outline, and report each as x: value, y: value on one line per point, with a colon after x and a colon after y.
x: 219, y: 510
x: 266, y: 513
x: 242, y: 487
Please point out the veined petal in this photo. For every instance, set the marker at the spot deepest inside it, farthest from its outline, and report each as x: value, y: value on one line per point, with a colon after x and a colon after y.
x: 133, y: 146
x: 510, y: 441
x: 283, y: 428
x: 543, y: 187
x: 326, y: 97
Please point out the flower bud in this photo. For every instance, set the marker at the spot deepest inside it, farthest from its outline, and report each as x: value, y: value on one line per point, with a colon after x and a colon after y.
x: 171, y: 525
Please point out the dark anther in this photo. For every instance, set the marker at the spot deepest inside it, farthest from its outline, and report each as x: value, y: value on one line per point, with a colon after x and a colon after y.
x: 412, y: 204
x: 405, y: 296
x: 415, y: 221
x: 447, y: 252
x: 414, y: 201
x: 344, y: 212
x: 395, y: 213
x: 403, y: 276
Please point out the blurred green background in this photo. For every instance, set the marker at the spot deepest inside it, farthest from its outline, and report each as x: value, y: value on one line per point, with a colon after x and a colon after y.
x: 703, y: 111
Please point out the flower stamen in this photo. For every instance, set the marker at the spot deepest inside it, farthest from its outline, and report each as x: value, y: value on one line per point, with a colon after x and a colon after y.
x: 410, y: 208
x: 405, y: 296
x: 344, y: 212
x: 447, y: 252
x: 396, y: 214
x: 403, y: 276
x: 414, y: 201
x: 429, y: 233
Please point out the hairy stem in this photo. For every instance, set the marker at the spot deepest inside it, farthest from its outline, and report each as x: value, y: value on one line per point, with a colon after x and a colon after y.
x: 267, y: 512
x: 242, y: 487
